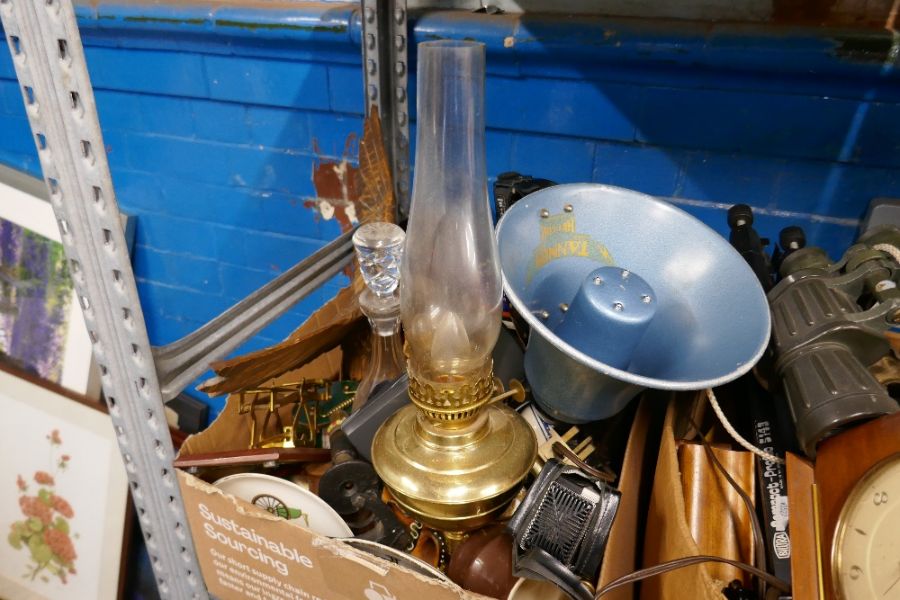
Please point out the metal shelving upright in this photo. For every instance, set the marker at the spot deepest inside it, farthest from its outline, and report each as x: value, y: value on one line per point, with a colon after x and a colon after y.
x: 137, y: 378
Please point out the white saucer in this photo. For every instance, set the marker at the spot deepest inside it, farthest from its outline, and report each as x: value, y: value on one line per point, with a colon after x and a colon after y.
x: 287, y: 500
x: 397, y: 557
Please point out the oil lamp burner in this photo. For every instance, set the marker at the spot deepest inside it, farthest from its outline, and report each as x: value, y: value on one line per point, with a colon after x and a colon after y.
x: 452, y: 458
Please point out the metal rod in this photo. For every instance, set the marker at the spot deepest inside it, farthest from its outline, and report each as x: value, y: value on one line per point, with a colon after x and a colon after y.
x: 182, y: 361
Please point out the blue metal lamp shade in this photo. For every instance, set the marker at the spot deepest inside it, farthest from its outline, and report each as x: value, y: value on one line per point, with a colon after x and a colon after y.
x: 624, y: 292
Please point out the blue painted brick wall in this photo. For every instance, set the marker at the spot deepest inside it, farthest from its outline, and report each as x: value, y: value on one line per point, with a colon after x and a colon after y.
x: 212, y: 118
x: 210, y: 140
x: 788, y: 121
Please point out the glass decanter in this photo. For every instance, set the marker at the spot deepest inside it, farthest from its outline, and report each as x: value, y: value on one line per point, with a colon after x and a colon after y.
x: 379, y: 247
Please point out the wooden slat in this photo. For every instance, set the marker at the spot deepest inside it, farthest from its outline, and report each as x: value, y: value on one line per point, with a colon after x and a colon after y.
x: 804, y: 574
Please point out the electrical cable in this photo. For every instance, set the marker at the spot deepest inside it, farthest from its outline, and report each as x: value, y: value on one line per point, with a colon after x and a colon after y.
x: 759, y: 541
x: 890, y: 249
x: 563, y: 450
x: 734, y: 434
x: 687, y: 561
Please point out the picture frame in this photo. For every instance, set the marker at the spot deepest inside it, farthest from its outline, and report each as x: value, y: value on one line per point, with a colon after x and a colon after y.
x: 42, y: 328
x: 65, y: 509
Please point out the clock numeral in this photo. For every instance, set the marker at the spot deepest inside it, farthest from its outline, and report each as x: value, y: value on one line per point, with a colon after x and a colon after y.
x: 855, y: 572
x: 880, y: 498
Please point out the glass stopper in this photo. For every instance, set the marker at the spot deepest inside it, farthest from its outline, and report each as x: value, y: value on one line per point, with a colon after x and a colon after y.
x: 379, y: 247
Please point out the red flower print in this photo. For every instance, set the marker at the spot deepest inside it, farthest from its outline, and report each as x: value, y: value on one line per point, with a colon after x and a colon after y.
x: 61, y: 545
x: 61, y: 506
x: 33, y: 507
x: 44, y: 532
x: 44, y: 478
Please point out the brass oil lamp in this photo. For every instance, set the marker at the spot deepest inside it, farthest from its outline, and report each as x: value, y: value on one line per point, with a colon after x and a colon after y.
x: 452, y: 458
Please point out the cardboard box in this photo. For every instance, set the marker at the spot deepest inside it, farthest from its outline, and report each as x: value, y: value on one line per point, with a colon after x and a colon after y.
x: 626, y: 538
x: 246, y: 552
x: 333, y: 340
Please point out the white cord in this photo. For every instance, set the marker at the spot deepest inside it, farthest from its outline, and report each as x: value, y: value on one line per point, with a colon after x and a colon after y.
x: 888, y: 249
x: 737, y: 437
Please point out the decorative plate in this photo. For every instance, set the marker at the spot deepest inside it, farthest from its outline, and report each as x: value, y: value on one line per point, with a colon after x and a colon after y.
x: 286, y: 500
x: 398, y: 557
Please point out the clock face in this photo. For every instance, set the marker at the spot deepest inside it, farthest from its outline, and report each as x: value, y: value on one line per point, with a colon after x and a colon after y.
x: 866, y: 550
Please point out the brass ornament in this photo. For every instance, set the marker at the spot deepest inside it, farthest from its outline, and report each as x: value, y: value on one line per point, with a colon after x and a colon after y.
x: 453, y: 399
x: 293, y: 415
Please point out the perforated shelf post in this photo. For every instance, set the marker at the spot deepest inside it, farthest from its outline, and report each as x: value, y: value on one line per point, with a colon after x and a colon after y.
x: 49, y: 61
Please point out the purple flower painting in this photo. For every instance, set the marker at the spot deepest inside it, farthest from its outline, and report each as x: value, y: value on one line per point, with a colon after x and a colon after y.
x: 35, y: 293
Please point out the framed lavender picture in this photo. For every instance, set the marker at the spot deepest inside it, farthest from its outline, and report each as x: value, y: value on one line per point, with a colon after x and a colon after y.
x: 64, y: 508
x: 42, y: 330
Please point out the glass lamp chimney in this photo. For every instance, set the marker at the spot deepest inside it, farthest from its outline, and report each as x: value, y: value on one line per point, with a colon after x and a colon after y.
x: 452, y: 458
x: 450, y: 287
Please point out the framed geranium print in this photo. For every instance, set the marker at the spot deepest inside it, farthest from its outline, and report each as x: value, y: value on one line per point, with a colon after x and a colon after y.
x: 63, y: 494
